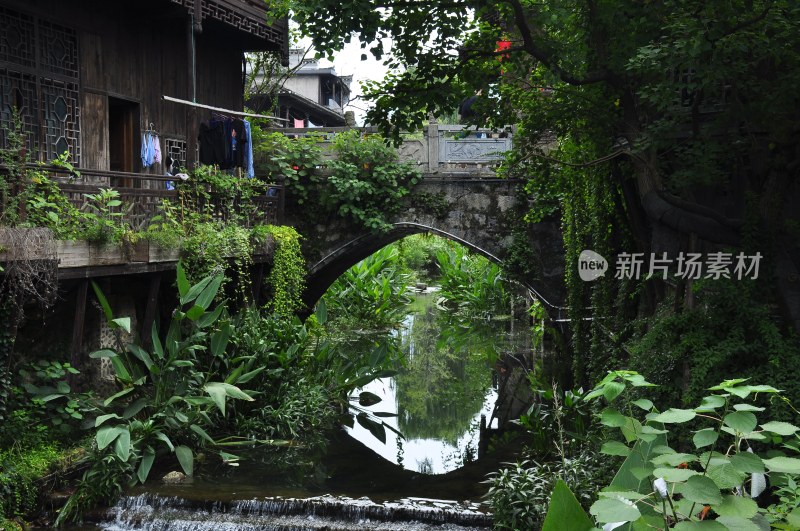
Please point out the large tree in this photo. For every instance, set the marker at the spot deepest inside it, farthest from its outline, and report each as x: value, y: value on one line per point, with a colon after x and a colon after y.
x: 676, y: 122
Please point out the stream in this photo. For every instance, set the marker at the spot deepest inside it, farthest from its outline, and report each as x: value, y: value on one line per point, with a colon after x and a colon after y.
x: 352, y: 480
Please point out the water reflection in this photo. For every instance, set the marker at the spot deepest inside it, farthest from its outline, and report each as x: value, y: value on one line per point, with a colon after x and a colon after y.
x: 441, y: 392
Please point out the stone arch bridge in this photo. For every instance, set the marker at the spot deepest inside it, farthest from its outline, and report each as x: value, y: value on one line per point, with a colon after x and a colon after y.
x: 458, y: 198
x: 481, y: 214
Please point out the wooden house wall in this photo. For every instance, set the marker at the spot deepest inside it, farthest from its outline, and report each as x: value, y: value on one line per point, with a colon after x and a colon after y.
x: 139, y: 55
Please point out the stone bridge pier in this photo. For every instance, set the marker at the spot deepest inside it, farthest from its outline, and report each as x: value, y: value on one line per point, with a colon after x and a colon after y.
x: 478, y: 212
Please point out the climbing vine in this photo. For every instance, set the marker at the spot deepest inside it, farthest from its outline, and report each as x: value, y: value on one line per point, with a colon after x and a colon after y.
x: 286, y: 280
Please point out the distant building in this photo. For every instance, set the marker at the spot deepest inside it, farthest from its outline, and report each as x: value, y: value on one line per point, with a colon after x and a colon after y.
x: 313, y: 95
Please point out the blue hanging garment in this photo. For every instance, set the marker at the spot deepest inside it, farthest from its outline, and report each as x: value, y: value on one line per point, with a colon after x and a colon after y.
x: 248, y: 150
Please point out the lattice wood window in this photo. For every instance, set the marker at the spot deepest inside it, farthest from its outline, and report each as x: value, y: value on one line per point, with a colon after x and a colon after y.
x: 176, y: 149
x: 39, y: 77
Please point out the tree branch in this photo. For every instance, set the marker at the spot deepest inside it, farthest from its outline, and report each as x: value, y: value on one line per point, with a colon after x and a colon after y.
x: 530, y: 46
x: 755, y: 20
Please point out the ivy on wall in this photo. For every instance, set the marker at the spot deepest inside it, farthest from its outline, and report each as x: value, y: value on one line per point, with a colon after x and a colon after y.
x: 286, y: 280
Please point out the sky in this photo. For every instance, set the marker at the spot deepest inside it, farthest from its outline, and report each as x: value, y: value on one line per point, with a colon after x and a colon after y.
x: 348, y: 63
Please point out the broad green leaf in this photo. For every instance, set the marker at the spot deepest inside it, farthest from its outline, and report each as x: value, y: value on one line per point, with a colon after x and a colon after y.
x: 165, y: 438
x: 737, y: 523
x: 183, y: 283
x: 145, y: 465
x: 641, y: 453
x: 673, y: 416
x: 565, y: 512
x: 673, y: 459
x: 608, y: 492
x: 747, y: 407
x: 674, y: 474
x: 614, y: 510
x: 615, y: 448
x: 780, y: 428
x: 662, y: 449
x: 103, y: 301
x: 705, y: 437
x: 229, y: 459
x: 650, y: 430
x: 219, y: 341
x: 134, y: 407
x: 120, y: 369
x: 124, y: 323
x: 643, y: 403
x: 750, y: 436
x: 196, y: 290
x: 612, y: 418
x: 700, y: 489
x: 202, y: 433
x: 106, y: 436
x: 636, y: 380
x: 186, y: 459
x: 322, y: 312
x: 789, y: 465
x: 122, y: 445
x: 102, y: 418
x: 104, y: 353
x: 205, y: 298
x: 710, y: 403
x: 632, y: 429
x: 141, y: 354
x: 736, y: 506
x: 642, y: 472
x: 195, y: 312
x: 107, y: 402
x: 705, y: 525
x: 741, y: 421
x: 793, y: 518
x: 209, y: 318
x: 726, y: 476
x: 612, y: 390
x: 218, y: 395
x: 728, y: 383
x: 158, y: 349
x: 246, y: 377
x: 747, y: 463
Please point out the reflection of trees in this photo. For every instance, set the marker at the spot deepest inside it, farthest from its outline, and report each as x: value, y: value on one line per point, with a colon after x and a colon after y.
x: 445, y: 381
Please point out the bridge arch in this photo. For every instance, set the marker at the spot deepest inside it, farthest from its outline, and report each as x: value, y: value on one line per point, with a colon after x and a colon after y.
x: 324, y: 272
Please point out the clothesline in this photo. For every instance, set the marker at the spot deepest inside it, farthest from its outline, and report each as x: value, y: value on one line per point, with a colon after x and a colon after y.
x: 220, y: 109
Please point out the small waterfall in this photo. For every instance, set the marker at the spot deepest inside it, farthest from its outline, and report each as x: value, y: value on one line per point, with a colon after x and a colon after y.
x: 331, y: 513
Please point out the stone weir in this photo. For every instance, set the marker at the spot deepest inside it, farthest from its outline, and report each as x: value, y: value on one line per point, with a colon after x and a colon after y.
x: 332, y: 513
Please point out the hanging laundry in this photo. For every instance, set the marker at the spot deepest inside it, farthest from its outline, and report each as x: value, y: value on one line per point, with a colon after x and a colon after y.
x: 238, y: 141
x: 151, y: 149
x: 248, y: 154
x: 212, y: 142
x: 299, y: 123
x: 225, y: 142
x: 156, y: 149
x: 144, y: 151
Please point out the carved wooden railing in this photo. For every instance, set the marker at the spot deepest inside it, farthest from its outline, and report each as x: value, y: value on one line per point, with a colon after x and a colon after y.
x: 142, y: 195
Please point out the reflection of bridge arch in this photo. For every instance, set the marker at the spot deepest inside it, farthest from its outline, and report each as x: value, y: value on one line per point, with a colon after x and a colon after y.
x: 324, y: 272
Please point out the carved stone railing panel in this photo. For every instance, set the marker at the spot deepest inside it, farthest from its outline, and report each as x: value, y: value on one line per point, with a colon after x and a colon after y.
x: 473, y: 149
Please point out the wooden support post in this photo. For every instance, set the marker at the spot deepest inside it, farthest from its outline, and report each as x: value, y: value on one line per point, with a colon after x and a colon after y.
x: 257, y: 283
x: 77, y: 326
x: 150, y: 310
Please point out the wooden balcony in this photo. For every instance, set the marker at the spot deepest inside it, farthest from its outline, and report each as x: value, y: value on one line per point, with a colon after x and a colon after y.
x: 142, y: 194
